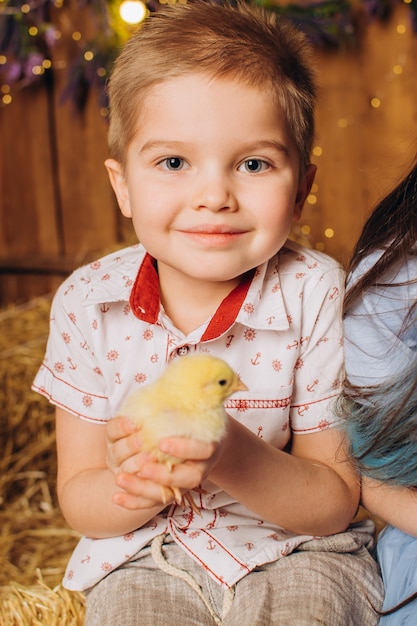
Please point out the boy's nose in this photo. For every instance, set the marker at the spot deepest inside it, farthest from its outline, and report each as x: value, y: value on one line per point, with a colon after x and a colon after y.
x: 214, y: 193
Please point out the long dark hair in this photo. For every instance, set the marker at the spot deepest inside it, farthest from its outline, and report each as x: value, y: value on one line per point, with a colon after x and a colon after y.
x: 381, y: 421
x: 392, y: 227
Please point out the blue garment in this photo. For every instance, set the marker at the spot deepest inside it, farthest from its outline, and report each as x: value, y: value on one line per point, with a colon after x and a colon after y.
x: 377, y: 344
x: 397, y: 556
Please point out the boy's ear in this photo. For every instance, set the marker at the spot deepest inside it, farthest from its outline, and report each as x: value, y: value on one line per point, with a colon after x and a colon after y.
x: 304, y: 187
x: 118, y: 182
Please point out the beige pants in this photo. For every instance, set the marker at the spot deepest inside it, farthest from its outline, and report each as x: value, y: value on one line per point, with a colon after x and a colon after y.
x: 332, y: 581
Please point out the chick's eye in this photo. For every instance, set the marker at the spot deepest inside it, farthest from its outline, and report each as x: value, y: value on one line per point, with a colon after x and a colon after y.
x: 173, y: 163
x: 222, y: 382
x: 254, y: 166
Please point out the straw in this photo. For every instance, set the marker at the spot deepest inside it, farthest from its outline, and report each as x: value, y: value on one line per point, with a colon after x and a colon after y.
x: 35, y: 541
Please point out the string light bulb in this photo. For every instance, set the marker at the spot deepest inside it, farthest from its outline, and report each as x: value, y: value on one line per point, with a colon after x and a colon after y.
x: 132, y: 11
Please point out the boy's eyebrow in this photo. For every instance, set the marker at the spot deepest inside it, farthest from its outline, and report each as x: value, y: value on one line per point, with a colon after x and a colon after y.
x: 267, y: 143
x: 158, y: 144
x: 249, y: 147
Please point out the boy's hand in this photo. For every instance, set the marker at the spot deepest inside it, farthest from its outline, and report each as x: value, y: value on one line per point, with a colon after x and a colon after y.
x: 145, y: 482
x: 125, y: 459
x: 123, y: 446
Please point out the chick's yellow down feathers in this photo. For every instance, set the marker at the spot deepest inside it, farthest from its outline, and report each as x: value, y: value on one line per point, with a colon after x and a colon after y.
x: 186, y: 401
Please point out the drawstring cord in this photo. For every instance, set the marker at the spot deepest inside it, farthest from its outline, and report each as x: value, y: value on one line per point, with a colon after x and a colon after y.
x: 162, y: 563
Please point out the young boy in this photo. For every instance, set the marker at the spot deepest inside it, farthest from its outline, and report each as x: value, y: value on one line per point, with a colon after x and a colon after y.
x: 210, y: 136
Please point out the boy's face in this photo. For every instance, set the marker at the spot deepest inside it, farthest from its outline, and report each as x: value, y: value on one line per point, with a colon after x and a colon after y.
x: 211, y: 180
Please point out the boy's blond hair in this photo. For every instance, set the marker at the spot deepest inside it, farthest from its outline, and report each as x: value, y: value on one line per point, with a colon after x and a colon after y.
x: 239, y: 42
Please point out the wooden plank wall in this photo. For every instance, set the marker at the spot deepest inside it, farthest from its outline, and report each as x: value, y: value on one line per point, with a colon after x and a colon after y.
x: 57, y: 209
x: 56, y: 206
x: 365, y: 150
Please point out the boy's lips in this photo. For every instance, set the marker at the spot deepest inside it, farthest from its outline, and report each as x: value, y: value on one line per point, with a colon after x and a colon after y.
x: 218, y: 234
x: 207, y: 229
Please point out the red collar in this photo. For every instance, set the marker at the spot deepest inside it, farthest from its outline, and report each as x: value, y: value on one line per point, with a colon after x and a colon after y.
x: 145, y: 300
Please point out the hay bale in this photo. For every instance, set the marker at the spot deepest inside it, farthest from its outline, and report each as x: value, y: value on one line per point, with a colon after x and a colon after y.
x: 35, y: 541
x: 38, y: 605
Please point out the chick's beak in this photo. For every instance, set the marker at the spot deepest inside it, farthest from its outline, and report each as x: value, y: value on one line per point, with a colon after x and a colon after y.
x: 239, y: 386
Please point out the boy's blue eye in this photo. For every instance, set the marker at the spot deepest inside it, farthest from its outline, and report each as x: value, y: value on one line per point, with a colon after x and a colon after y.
x: 173, y: 163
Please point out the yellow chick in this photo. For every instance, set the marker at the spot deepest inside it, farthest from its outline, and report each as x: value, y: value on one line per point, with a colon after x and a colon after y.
x: 186, y: 401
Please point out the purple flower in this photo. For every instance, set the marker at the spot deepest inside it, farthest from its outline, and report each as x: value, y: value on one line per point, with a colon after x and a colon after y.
x: 34, y: 59
x: 49, y: 36
x: 379, y: 9
x: 13, y: 71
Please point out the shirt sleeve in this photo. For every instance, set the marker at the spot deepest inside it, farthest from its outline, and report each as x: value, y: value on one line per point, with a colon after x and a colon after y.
x: 319, y: 371
x: 70, y: 375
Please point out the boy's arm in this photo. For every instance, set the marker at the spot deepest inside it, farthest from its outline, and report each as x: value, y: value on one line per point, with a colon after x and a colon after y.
x: 314, y: 490
x: 86, y: 486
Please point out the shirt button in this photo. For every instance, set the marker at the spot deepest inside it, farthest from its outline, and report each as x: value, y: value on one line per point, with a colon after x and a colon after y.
x: 183, y: 350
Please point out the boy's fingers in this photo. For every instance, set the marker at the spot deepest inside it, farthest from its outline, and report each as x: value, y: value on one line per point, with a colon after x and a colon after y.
x: 124, y: 446
x: 185, y: 448
x: 185, y: 475
x: 119, y: 427
x: 138, y: 491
